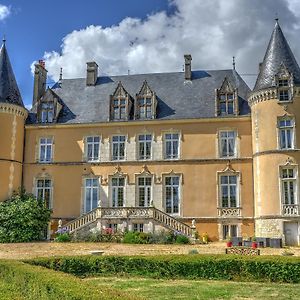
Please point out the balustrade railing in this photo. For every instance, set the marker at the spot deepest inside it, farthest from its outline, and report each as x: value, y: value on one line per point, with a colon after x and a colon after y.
x: 290, y: 209
x: 229, y: 212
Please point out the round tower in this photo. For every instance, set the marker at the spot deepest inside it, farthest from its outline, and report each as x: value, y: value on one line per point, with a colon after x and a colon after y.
x: 275, y: 110
x: 12, y: 120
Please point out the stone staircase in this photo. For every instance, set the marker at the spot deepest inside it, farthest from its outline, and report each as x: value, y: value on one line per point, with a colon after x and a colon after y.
x: 129, y: 213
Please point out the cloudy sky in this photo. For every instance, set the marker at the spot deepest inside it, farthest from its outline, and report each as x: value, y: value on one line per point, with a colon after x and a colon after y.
x: 142, y: 36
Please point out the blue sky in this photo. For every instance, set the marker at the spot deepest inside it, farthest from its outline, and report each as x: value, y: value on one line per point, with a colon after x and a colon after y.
x: 142, y: 35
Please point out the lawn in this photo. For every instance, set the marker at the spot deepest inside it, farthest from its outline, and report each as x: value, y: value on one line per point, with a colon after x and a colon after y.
x: 158, y: 289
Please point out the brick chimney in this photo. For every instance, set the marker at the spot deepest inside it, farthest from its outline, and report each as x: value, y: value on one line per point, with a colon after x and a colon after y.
x: 187, y: 67
x: 40, y: 78
x: 91, y: 73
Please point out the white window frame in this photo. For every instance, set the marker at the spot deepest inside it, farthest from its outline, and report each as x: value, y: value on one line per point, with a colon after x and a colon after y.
x: 230, y: 231
x: 220, y: 184
x: 138, y: 227
x: 47, y: 112
x: 294, y: 180
x: 220, y: 139
x: 172, y: 140
x: 48, y: 143
x: 43, y: 189
x: 94, y: 158
x: 165, y: 186
x: 285, y: 129
x: 147, y: 190
x: 118, y: 143
x: 115, y: 189
x: 91, y: 189
x: 144, y: 142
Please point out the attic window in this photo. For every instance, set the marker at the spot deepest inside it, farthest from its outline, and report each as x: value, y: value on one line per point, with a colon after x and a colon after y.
x: 47, y: 112
x: 226, y: 102
x: 119, y: 108
x: 145, y: 108
x: 284, y: 84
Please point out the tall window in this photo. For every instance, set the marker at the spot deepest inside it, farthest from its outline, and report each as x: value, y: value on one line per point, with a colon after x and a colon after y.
x: 45, y: 152
x: 43, y: 191
x: 229, y: 231
x: 171, y: 145
x: 47, y: 112
x: 226, y: 102
x: 145, y: 107
x: 284, y: 90
x: 144, y: 191
x: 92, y: 148
x: 286, y: 133
x: 288, y: 183
x: 145, y: 141
x: 119, y: 108
x: 228, y: 191
x: 118, y: 147
x: 91, y: 194
x: 172, y: 198
x: 227, y: 143
x: 118, y: 191
x: 139, y: 227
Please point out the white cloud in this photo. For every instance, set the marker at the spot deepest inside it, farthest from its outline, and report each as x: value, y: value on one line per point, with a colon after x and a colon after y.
x: 4, y: 12
x: 212, y: 31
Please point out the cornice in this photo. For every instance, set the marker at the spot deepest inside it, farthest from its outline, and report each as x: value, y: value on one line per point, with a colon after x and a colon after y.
x: 13, y: 109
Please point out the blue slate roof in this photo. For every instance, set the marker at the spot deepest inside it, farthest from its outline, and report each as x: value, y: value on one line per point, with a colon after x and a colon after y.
x: 177, y: 98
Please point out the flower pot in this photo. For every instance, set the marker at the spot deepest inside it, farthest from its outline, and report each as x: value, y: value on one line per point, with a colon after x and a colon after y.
x: 254, y: 245
x: 229, y: 244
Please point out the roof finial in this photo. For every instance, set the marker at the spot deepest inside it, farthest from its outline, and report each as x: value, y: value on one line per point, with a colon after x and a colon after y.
x: 60, y: 74
x: 4, y: 39
x: 233, y: 62
x: 276, y: 17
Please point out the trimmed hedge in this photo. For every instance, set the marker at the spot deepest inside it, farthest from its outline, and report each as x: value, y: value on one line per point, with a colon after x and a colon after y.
x: 33, y: 282
x: 225, y: 267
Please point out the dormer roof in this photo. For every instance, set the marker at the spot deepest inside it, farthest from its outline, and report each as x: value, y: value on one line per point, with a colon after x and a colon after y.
x: 9, y: 91
x: 278, y: 53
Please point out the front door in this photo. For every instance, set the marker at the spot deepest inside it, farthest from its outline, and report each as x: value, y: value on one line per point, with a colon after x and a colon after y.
x: 291, y: 233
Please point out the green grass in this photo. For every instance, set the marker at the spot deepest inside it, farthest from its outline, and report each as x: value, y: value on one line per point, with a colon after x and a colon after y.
x: 158, y: 289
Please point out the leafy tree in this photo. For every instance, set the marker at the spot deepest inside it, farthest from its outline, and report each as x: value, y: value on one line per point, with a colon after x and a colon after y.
x: 23, y: 218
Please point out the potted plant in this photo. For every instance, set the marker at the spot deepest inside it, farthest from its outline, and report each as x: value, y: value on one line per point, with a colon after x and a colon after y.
x: 254, y: 243
x: 205, y: 238
x: 228, y: 241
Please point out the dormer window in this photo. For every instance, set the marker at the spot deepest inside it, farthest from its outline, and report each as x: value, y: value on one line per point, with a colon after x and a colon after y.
x: 226, y: 99
x: 284, y: 84
x: 146, y: 103
x: 120, y: 104
x: 47, y: 112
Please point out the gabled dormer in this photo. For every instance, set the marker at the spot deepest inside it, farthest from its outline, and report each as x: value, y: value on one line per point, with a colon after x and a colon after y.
x: 226, y: 99
x: 284, y: 82
x: 146, y: 103
x: 120, y: 104
x: 48, y: 107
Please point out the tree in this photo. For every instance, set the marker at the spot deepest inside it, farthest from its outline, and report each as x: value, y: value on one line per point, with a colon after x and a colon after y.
x: 23, y: 218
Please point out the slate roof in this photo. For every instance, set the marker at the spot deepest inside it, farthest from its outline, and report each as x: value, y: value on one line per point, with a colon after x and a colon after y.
x: 9, y: 91
x: 177, y: 98
x: 278, y: 52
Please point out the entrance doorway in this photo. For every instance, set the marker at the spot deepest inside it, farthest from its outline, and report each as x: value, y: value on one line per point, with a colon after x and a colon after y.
x: 291, y: 233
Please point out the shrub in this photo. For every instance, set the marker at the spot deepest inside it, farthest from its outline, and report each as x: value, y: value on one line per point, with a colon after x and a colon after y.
x: 23, y: 218
x: 193, y: 251
x: 63, y: 237
x: 134, y: 237
x: 182, y: 239
x: 225, y: 267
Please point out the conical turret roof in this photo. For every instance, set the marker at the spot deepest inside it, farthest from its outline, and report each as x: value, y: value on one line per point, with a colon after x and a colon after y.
x: 9, y: 91
x: 278, y: 53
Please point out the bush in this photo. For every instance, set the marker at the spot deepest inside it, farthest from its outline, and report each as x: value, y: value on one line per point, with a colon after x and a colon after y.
x: 182, y: 239
x: 23, y: 218
x: 225, y: 267
x: 31, y: 282
x: 63, y: 237
x: 134, y: 237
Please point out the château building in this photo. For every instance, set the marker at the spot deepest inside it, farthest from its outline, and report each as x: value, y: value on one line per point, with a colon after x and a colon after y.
x: 181, y: 151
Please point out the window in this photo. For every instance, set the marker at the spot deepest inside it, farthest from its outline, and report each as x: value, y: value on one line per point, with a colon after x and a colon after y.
x: 145, y: 107
x: 227, y: 143
x: 284, y: 88
x: 172, y: 198
x: 139, y: 227
x: 144, y: 191
x: 288, y: 183
x: 284, y: 95
x: 228, y: 191
x: 118, y: 185
x: 43, y: 191
x: 47, y: 112
x: 119, y: 108
x: 45, y: 150
x: 226, y: 103
x: 171, y: 145
x: 92, y: 148
x: 118, y: 147
x: 229, y: 231
x: 283, y: 82
x: 286, y: 133
x: 113, y: 226
x: 91, y: 194
x: 145, y: 141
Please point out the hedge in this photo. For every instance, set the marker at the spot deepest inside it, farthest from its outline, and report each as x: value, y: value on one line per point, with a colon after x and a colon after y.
x: 225, y: 267
x: 23, y: 281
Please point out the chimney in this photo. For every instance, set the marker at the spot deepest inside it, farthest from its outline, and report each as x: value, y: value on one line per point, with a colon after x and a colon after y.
x: 187, y: 67
x: 39, y: 85
x: 91, y: 73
